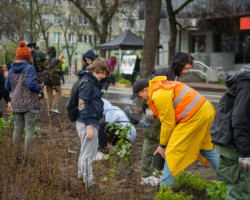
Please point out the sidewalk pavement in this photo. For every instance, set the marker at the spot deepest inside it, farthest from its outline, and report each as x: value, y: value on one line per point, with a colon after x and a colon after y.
x: 200, y: 86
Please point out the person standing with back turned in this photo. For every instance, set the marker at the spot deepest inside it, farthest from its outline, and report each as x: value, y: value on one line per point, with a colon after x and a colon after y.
x: 230, y: 133
x: 52, y: 80
x: 21, y: 83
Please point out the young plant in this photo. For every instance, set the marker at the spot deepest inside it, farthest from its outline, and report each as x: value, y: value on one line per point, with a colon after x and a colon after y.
x: 217, y: 190
x: 166, y: 193
x: 122, y: 148
x: 191, y: 180
x: 5, y: 125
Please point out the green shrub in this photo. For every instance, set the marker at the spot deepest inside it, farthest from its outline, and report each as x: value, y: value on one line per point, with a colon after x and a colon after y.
x: 123, y: 81
x: 191, y: 180
x: 167, y: 193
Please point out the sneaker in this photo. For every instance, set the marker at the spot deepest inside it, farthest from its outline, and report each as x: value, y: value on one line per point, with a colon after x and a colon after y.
x: 54, y: 110
x: 152, y: 180
x: 101, y: 156
x: 94, y: 190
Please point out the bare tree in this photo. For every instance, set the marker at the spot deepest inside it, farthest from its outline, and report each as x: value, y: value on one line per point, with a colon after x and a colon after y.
x: 173, y: 25
x: 100, y: 15
x: 13, y: 20
x: 153, y: 10
x: 70, y: 31
x: 42, y: 25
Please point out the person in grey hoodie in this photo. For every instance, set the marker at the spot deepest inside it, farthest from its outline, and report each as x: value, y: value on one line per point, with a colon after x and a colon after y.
x: 230, y: 133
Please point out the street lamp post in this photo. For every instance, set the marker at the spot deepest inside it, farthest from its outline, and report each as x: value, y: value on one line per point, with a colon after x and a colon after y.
x: 31, y: 17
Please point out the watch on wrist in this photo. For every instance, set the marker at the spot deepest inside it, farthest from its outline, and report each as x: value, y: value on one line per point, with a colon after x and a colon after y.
x: 163, y: 146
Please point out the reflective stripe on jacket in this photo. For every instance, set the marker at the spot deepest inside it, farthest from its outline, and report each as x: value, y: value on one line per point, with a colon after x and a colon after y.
x: 186, y: 102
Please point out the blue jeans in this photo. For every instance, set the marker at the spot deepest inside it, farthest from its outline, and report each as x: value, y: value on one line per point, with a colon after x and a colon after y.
x: 210, y: 155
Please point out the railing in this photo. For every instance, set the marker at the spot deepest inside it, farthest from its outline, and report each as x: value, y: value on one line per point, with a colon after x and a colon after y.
x: 209, y: 74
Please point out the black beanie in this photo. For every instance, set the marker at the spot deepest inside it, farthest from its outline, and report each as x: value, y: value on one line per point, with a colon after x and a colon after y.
x: 179, y: 61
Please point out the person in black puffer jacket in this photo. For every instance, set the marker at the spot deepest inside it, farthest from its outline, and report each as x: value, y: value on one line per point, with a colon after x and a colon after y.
x: 90, y: 112
x: 52, y: 74
x: 230, y: 133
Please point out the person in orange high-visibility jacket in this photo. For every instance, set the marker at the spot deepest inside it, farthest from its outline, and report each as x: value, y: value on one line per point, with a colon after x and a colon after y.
x: 186, y: 117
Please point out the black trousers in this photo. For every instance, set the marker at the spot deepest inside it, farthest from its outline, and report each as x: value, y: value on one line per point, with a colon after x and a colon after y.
x: 106, y: 134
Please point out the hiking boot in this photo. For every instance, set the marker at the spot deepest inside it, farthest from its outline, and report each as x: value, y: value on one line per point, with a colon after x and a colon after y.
x: 152, y: 180
x: 54, y: 110
x: 94, y: 190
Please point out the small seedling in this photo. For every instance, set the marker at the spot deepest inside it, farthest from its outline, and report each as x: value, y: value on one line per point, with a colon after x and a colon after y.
x: 121, y: 149
x: 167, y: 193
x: 217, y: 190
x: 191, y: 180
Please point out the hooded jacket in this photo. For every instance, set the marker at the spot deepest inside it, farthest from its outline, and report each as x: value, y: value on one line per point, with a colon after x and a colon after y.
x: 115, y: 114
x: 22, y: 84
x: 89, y: 54
x: 90, y: 112
x: 167, y: 71
x: 232, y: 121
x: 53, y: 68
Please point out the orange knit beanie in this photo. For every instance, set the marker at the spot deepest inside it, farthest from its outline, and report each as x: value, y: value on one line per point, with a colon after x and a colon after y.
x: 23, y: 52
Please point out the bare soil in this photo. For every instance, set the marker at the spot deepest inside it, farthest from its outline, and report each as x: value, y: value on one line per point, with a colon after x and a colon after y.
x: 58, y: 151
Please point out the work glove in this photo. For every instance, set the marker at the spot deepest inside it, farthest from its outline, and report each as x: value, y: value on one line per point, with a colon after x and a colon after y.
x: 149, y: 115
x: 244, y: 164
x: 144, y: 123
x: 103, y: 91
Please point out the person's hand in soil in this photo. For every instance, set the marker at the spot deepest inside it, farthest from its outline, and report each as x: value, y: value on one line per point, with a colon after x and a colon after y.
x: 90, y: 133
x: 161, y: 151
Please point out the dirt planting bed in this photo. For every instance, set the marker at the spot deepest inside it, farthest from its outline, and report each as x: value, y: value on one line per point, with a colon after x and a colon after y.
x: 53, y: 174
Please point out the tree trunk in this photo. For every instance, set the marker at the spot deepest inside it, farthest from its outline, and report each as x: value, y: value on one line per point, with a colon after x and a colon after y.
x: 153, y: 10
x: 172, y: 41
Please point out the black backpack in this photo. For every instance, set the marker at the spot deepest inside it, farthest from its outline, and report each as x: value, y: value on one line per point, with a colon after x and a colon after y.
x: 131, y: 115
x: 39, y: 58
x: 72, y: 105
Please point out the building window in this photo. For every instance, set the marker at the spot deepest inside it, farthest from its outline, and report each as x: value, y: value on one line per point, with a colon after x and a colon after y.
x: 57, y: 37
x: 26, y: 37
x: 89, y: 3
x: 57, y: 19
x: 83, y: 21
x: 45, y: 18
x: 114, y: 22
x: 71, y: 19
x: 11, y: 36
x: 126, y: 24
x: 80, y: 37
x: 199, y: 43
x: 86, y: 38
x: 71, y: 37
x: 57, y: 2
